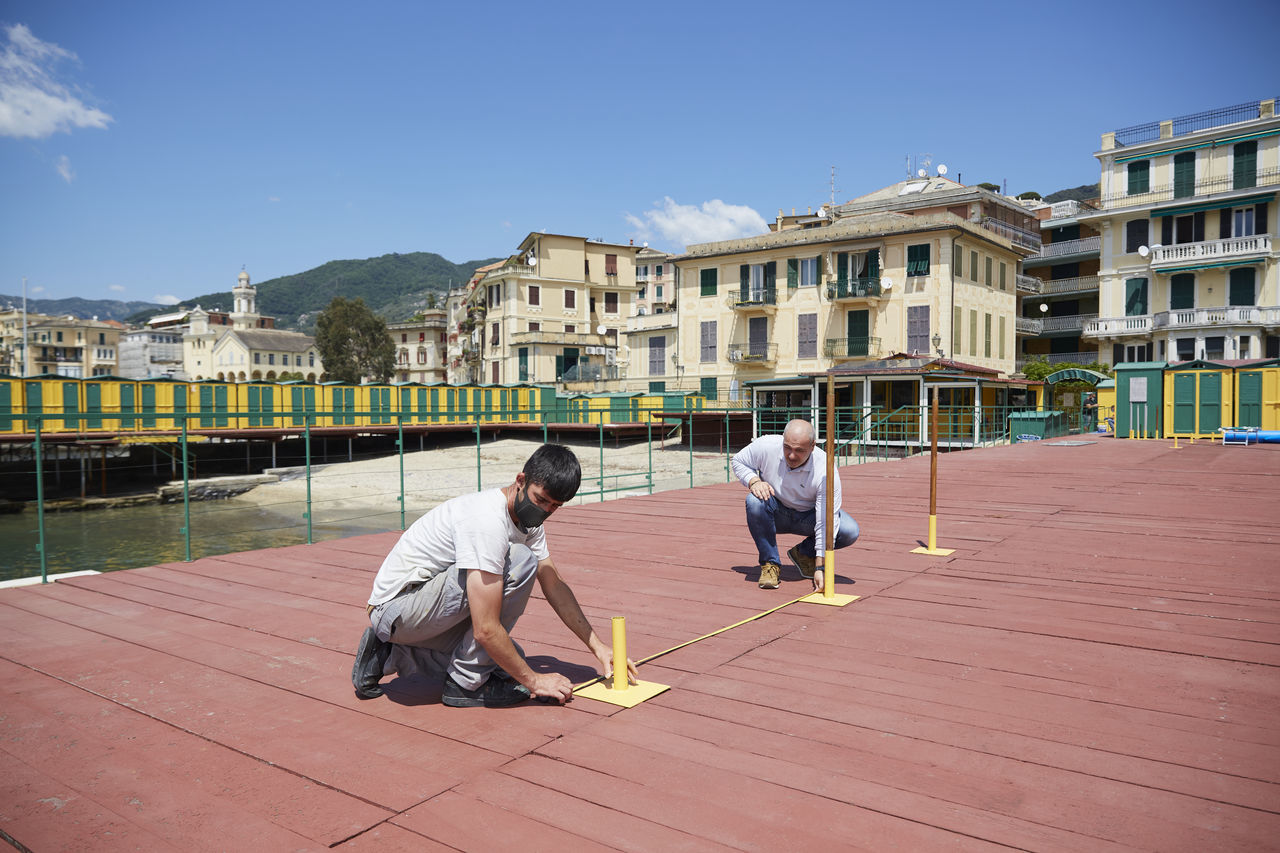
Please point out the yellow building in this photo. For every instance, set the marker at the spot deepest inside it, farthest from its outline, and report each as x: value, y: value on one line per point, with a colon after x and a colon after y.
x: 554, y: 311
x: 1187, y: 225
x: 11, y: 347
x: 923, y: 266
x: 70, y: 346
x: 421, y: 347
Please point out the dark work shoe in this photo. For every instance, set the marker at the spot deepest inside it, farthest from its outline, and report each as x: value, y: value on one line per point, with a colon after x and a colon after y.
x: 494, y: 693
x: 371, y: 657
x: 803, y: 563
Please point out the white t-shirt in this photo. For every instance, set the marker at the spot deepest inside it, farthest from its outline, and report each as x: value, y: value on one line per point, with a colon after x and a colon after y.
x: 472, y: 531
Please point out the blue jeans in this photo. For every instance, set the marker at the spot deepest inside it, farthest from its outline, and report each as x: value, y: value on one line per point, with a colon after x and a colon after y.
x: 766, y: 519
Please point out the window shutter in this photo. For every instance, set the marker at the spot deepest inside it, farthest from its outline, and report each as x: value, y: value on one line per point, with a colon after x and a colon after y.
x: 1135, y: 303
x: 708, y: 282
x: 1182, y: 289
x: 770, y: 276
x: 1241, y: 287
x: 1184, y: 174
x: 842, y: 268
x: 873, y: 263
x: 793, y: 273
x: 1224, y: 223
x: 1166, y: 230
x: 1197, y: 227
x: 744, y: 273
x: 1260, y: 219
x: 1245, y: 168
x: 1139, y: 177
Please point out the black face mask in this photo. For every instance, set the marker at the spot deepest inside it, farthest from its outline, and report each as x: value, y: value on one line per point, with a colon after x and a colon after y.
x: 528, y: 513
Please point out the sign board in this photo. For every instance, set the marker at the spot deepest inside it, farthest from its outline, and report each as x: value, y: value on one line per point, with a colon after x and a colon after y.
x: 1138, y: 389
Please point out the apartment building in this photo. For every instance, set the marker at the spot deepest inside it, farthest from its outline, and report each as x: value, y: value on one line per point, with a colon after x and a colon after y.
x: 150, y: 353
x: 1058, y: 292
x: 552, y: 312
x: 655, y: 283
x: 421, y: 347
x: 1187, y: 227
x: 12, y: 322
x: 70, y: 346
x: 924, y: 266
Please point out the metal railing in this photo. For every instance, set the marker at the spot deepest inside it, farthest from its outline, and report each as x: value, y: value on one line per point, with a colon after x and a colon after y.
x: 856, y: 288
x: 1028, y: 284
x: 752, y: 298
x: 1182, y: 125
x: 1081, y: 246
x: 850, y: 347
x: 1078, y: 284
x: 753, y: 353
x: 1018, y: 236
x: 1067, y: 323
x: 1176, y: 191
x: 1027, y: 326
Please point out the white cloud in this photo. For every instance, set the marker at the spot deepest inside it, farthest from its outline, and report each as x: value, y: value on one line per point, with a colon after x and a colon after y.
x: 34, y: 102
x: 64, y: 168
x: 165, y: 299
x: 118, y: 288
x: 683, y: 224
x: 273, y: 198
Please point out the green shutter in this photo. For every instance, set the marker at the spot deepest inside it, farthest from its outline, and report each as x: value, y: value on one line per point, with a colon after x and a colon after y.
x: 842, y: 270
x: 1139, y: 177
x: 873, y: 263
x: 744, y: 281
x: 1241, y: 289
x: 707, y: 387
x: 1184, y: 174
x: 793, y: 273
x: 1245, y: 165
x: 707, y: 280
x: 1182, y: 292
x: 1135, y: 297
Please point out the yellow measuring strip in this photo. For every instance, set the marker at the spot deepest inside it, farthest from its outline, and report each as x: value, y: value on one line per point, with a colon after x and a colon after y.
x: 699, y: 639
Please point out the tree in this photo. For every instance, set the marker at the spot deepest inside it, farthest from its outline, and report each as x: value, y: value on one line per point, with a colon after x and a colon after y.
x: 990, y: 187
x: 354, y: 342
x: 1031, y: 194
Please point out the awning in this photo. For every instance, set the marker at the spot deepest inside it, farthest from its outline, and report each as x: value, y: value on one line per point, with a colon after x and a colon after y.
x: 1076, y: 374
x: 1242, y: 262
x: 1212, y: 143
x: 1213, y: 205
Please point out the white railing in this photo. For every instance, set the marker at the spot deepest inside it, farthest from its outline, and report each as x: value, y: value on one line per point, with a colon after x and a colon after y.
x: 1069, y: 247
x: 1189, y: 318
x: 1016, y: 235
x: 1079, y: 284
x: 1068, y: 323
x: 1027, y: 326
x: 1139, y: 325
x: 1232, y: 247
x: 1028, y: 283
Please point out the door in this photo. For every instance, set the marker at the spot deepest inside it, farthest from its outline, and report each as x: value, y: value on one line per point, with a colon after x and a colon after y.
x: 1250, y: 399
x: 71, y: 404
x: 1210, y: 402
x: 858, y: 327
x: 758, y: 337
x: 1184, y: 403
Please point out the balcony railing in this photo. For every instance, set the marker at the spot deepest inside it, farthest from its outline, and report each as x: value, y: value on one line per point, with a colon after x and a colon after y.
x: 838, y: 348
x: 1028, y: 284
x: 1119, y: 326
x: 761, y: 297
x: 1182, y: 125
x: 1067, y: 323
x: 548, y: 336
x: 753, y: 353
x: 1231, y: 315
x: 1028, y: 326
x: 1018, y: 236
x: 1211, y: 250
x: 1057, y: 358
x: 1079, y: 284
x: 1204, y: 187
x: 1083, y: 246
x: 857, y: 288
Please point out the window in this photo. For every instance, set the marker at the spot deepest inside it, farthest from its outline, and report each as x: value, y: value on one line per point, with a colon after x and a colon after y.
x: 535, y: 294
x: 535, y: 326
x: 918, y: 328
x: 957, y: 320
x: 1241, y: 286
x: 659, y: 270
x: 493, y: 335
x: 707, y: 387
x: 1182, y: 292
x: 257, y: 358
x: 610, y: 264
x: 642, y: 272
x: 1188, y: 228
x: 404, y: 338
x: 1004, y: 280
x: 522, y: 359
x: 707, y: 341
x: 1184, y: 174
x: 808, y: 272
x: 1214, y: 347
x: 1242, y: 222
x: 422, y: 355
x: 657, y: 291
x: 640, y: 293
x: 1002, y: 337
x: 1244, y: 165
x: 657, y: 356
x: 611, y: 303
x: 570, y: 329
x: 1136, y: 233
x: 422, y: 336
x: 709, y: 281
x: 957, y: 260
x: 807, y: 336
x: 1139, y: 177
x: 1135, y: 297
x: 986, y: 328
x: 973, y: 331
x: 973, y: 265
x: 988, y: 271
x: 1186, y: 349
x: 570, y: 299
x: 918, y: 259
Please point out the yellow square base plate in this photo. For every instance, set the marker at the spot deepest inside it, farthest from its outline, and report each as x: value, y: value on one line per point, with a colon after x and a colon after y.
x: 937, y: 552
x: 602, y: 691
x: 837, y: 600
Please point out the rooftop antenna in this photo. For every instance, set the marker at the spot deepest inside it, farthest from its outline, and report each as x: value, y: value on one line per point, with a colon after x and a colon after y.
x: 833, y: 187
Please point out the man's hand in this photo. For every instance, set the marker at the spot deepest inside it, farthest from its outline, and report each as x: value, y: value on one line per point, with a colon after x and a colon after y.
x: 762, y: 490
x: 551, y: 686
x: 817, y: 573
x: 604, y: 654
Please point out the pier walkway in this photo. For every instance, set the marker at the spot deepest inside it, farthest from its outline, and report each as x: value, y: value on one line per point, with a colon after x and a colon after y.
x: 1094, y: 669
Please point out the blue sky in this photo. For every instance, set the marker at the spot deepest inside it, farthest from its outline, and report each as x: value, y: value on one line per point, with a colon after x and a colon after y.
x: 149, y: 150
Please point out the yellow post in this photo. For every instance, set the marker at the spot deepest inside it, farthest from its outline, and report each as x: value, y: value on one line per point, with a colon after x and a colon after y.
x: 1175, y: 443
x: 933, y: 548
x: 828, y: 594
x: 620, y: 653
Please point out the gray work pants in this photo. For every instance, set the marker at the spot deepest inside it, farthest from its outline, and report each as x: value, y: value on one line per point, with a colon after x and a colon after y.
x: 430, y: 623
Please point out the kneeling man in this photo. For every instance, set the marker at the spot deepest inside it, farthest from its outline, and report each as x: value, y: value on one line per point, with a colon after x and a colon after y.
x: 787, y: 478
x: 452, y: 588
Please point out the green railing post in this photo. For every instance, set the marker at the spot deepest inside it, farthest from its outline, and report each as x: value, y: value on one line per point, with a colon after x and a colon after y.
x: 186, y: 494
x: 650, y: 429
x: 400, y: 447
x: 40, y: 543
x: 690, y: 437
x: 306, y: 428
x: 601, y: 425
x: 727, y: 470
x: 479, y: 483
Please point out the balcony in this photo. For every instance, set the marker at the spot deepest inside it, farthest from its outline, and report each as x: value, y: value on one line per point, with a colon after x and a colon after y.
x: 1014, y: 234
x: 753, y: 299
x: 1067, y: 323
x: 1233, y: 248
x: 753, y: 355
x: 548, y: 336
x: 1027, y: 326
x: 857, y: 288
x: 1119, y: 327
x: 1066, y: 250
x: 1231, y: 315
x: 1028, y: 284
x: 843, y: 348
x: 1079, y: 284
x: 1207, y: 186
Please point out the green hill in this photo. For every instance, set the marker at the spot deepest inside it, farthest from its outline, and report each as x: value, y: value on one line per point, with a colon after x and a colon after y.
x: 395, y: 286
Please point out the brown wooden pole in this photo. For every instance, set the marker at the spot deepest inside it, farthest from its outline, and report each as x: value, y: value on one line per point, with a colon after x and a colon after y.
x: 933, y: 457
x: 829, y: 569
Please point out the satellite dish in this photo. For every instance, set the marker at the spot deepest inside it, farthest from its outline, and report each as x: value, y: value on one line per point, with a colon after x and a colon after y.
x: 942, y: 168
x: 533, y: 261
x: 822, y: 212
x: 1155, y: 246
x: 886, y: 284
x: 920, y: 173
x: 1044, y: 306
x: 646, y: 244
x: 1144, y: 251
x: 600, y: 330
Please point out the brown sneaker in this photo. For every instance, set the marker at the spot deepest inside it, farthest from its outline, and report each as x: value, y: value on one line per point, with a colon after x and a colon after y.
x: 769, y: 574
x: 803, y: 563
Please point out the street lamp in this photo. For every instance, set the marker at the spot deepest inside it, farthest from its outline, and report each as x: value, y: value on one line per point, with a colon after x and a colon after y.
x: 937, y: 344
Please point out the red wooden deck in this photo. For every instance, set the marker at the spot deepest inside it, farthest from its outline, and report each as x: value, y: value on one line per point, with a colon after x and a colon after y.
x: 1095, y: 668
